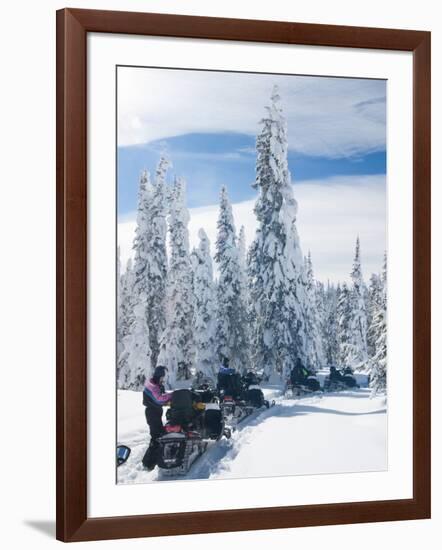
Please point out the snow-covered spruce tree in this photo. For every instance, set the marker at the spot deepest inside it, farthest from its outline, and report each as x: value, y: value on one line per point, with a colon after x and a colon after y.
x: 331, y: 325
x: 275, y: 262
x: 245, y: 298
x: 344, y: 319
x: 321, y: 309
x: 378, y: 363
x: 176, y: 347
x: 133, y: 344
x: 242, y: 254
x: 232, y: 341
x: 357, y: 357
x: 374, y: 299
x: 125, y: 320
x: 156, y: 259
x: 314, y: 343
x: 136, y: 354
x: 118, y: 285
x: 204, y: 317
x: 142, y: 235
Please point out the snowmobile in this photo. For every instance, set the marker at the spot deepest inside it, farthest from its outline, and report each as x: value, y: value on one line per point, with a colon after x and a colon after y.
x: 191, y: 424
x: 340, y: 380
x: 205, y: 391
x: 240, y: 397
x: 308, y: 386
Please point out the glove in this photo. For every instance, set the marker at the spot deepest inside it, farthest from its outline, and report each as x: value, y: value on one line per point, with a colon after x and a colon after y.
x: 199, y: 406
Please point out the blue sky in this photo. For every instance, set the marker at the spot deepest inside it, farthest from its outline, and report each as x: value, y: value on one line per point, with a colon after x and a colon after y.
x: 206, y: 123
x: 208, y: 161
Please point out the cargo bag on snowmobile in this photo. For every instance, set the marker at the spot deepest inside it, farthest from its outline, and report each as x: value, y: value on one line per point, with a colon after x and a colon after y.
x: 230, y: 383
x: 181, y: 410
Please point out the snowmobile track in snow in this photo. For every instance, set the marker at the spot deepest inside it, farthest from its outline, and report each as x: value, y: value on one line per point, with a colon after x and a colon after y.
x: 220, y: 454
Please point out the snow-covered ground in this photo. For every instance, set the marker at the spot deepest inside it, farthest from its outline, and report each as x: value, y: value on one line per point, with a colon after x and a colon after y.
x: 333, y: 433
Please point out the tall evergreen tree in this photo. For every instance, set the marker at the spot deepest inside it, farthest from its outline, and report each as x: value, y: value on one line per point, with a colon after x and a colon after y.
x: 242, y: 254
x: 275, y: 262
x: 204, y: 323
x: 331, y: 325
x: 246, y: 361
x: 136, y: 340
x: 118, y: 289
x: 357, y: 355
x: 374, y: 299
x: 126, y: 299
x: 136, y: 354
x: 176, y: 348
x: 142, y: 234
x: 125, y: 321
x: 313, y: 306
x: 344, y: 314
x: 378, y: 363
x: 156, y: 259
x: 231, y: 309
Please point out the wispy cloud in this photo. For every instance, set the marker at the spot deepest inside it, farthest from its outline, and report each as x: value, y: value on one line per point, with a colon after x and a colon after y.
x: 331, y: 213
x: 332, y: 117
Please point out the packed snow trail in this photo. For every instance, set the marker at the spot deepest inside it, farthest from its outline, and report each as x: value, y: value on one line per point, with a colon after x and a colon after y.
x: 334, y: 433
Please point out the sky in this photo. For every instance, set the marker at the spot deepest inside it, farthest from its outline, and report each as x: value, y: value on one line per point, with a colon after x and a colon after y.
x: 206, y: 122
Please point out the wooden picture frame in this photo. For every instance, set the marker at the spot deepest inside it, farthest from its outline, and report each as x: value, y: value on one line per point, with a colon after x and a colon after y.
x: 73, y: 523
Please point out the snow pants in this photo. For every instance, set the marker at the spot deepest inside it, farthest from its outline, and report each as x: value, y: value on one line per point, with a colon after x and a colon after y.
x: 155, y: 423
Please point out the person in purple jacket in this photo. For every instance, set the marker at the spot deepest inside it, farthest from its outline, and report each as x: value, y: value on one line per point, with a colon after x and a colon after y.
x: 154, y: 397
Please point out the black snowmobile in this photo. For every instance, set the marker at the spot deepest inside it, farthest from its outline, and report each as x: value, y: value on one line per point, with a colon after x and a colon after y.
x: 339, y: 380
x: 239, y: 396
x: 302, y: 382
x: 205, y: 391
x: 191, y: 423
